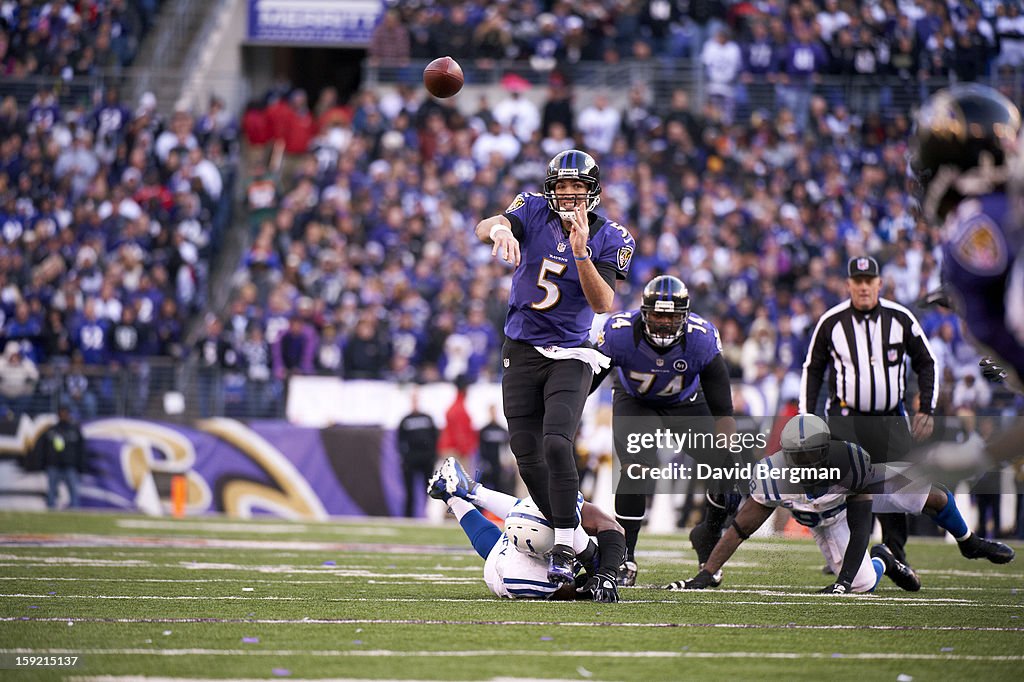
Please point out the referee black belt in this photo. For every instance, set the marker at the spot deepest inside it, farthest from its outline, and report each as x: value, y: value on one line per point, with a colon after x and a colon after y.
x: 812, y: 519
x: 851, y: 412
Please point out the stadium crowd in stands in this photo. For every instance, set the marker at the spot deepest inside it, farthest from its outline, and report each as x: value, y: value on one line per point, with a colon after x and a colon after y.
x: 362, y: 261
x: 68, y: 38
x: 108, y: 216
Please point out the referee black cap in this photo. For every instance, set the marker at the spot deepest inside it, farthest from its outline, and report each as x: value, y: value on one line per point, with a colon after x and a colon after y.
x: 863, y: 266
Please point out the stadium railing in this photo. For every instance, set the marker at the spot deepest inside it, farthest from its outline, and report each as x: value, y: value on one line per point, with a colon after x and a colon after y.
x: 886, y: 94
x: 128, y: 81
x: 160, y: 388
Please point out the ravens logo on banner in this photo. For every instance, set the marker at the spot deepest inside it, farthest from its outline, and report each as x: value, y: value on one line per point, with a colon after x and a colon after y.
x: 625, y: 256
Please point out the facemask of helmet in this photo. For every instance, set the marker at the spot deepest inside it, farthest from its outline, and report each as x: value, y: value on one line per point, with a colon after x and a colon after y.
x: 572, y: 164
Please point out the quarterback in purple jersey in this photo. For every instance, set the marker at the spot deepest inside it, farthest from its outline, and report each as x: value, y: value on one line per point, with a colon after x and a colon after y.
x: 668, y: 364
x: 567, y: 259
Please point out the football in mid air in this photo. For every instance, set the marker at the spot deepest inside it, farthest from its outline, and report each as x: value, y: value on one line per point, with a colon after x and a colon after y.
x: 443, y: 77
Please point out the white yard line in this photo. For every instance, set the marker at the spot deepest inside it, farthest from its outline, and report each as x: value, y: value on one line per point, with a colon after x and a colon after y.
x: 477, y: 623
x: 497, y: 653
x: 83, y: 540
x: 250, y: 527
x: 139, y: 678
x: 817, y: 600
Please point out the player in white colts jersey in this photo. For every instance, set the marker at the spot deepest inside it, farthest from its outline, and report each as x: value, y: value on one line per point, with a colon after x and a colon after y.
x: 514, y: 563
x: 838, y: 511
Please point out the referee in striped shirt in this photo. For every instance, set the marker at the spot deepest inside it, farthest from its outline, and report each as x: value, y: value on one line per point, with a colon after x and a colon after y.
x: 866, y: 341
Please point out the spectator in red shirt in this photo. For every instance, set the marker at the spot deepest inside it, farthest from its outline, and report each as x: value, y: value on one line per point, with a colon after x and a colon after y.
x: 329, y: 111
x: 278, y: 115
x: 257, y: 130
x: 301, y: 127
x: 458, y: 438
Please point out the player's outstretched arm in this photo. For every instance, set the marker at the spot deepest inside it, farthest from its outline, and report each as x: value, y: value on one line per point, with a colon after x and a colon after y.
x: 497, y: 230
x: 748, y: 519
x: 859, y: 519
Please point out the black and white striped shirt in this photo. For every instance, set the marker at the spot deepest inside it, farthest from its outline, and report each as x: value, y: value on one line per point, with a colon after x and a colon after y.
x: 867, y: 353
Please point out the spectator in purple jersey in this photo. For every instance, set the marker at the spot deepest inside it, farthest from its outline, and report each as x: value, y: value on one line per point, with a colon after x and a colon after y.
x: 295, y: 350
x: 758, y: 73
x: 90, y: 335
x: 567, y: 260
x: 799, y: 65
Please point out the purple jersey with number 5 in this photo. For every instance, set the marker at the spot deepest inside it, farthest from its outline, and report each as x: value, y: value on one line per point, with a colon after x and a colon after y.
x: 546, y: 306
x: 981, y: 264
x: 666, y: 378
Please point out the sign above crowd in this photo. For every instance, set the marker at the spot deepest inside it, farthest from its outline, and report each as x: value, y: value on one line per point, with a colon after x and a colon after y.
x: 313, y: 22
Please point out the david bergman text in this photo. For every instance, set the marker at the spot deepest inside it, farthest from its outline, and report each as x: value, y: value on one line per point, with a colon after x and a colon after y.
x: 738, y: 472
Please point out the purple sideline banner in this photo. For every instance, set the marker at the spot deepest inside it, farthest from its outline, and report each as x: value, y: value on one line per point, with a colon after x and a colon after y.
x: 314, y: 22
x: 243, y: 469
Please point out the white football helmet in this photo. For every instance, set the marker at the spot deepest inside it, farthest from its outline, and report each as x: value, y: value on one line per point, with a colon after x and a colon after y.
x: 805, y: 441
x: 528, y: 530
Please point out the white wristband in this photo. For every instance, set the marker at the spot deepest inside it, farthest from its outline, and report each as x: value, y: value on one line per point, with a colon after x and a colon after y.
x: 498, y: 227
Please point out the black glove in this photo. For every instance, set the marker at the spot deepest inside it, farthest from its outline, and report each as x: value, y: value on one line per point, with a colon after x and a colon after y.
x: 701, y: 581
x: 600, y: 587
x: 991, y: 371
x: 837, y: 588
x: 938, y: 297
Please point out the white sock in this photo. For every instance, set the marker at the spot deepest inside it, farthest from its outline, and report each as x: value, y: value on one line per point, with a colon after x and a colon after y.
x: 966, y: 537
x: 580, y: 539
x: 493, y: 501
x: 564, y: 536
x: 459, y: 507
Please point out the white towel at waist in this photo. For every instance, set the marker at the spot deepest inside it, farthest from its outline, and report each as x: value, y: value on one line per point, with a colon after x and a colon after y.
x: 596, y: 359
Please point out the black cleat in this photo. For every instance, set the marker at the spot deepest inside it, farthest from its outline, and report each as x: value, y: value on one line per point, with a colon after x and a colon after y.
x: 900, y: 573
x: 980, y: 548
x: 627, y: 574
x: 703, y: 542
x: 561, y: 562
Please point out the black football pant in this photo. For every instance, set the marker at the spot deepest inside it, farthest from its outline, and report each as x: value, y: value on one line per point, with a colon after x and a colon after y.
x: 415, y: 476
x: 543, y: 400
x: 631, y: 415
x: 886, y: 437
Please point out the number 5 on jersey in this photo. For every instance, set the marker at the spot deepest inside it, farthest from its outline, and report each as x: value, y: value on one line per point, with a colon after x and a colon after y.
x: 552, y: 295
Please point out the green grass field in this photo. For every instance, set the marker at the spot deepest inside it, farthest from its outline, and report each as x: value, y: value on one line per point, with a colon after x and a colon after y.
x: 215, y: 598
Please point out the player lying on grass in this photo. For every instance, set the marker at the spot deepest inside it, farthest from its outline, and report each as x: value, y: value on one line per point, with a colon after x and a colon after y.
x: 838, y: 512
x: 514, y: 561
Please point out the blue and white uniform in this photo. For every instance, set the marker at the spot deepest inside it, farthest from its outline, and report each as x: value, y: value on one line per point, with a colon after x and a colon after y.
x: 824, y: 511
x: 518, y: 575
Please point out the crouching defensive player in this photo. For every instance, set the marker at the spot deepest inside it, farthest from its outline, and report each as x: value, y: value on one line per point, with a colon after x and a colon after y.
x: 514, y: 560
x: 838, y: 512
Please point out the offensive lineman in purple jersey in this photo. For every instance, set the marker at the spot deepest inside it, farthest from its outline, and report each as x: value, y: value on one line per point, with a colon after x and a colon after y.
x: 961, y: 151
x: 966, y: 158
x: 567, y: 261
x: 668, y: 364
